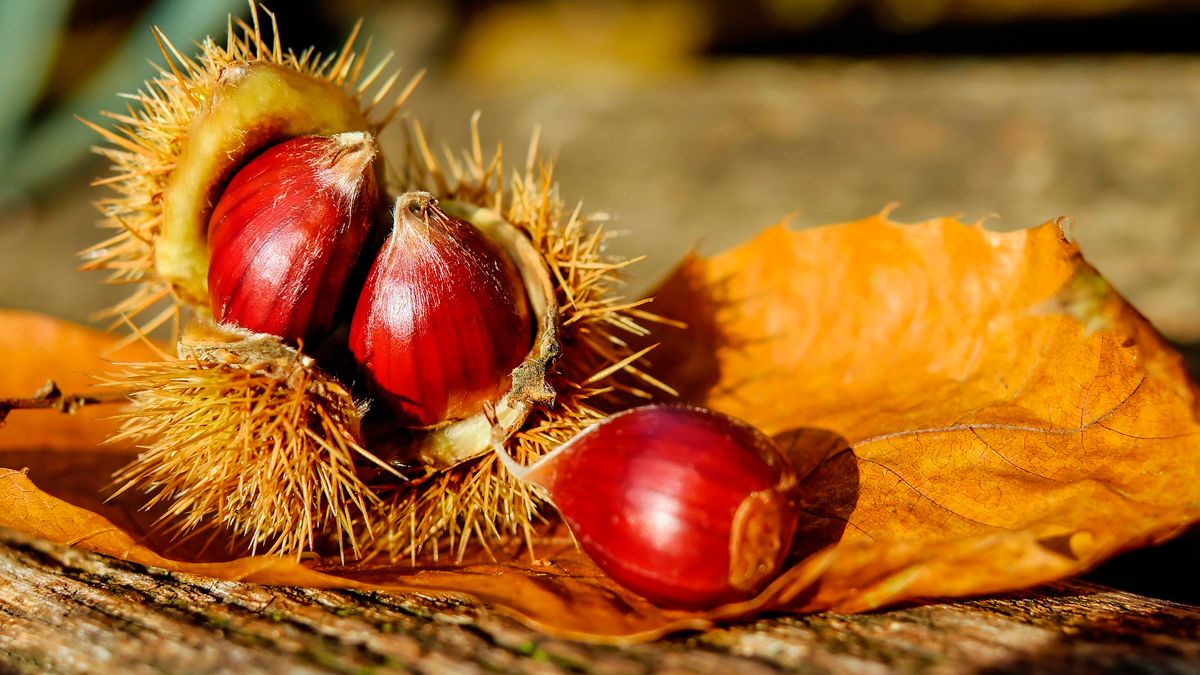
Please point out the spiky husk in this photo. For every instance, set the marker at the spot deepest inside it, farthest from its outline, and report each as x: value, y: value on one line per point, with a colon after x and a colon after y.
x: 262, y: 445
x: 146, y: 145
x: 479, y: 501
x: 273, y: 459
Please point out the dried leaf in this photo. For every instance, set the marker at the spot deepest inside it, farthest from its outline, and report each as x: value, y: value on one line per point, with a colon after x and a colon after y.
x: 973, y: 412
x: 36, y: 348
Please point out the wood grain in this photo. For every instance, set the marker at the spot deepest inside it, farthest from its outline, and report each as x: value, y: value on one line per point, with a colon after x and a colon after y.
x: 66, y: 611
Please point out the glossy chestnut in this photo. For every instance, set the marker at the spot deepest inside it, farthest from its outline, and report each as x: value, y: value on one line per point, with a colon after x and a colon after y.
x: 442, y: 320
x: 286, y: 234
x: 687, y: 507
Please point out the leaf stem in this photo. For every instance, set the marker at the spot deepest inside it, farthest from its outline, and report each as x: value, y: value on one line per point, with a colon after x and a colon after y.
x: 51, y: 397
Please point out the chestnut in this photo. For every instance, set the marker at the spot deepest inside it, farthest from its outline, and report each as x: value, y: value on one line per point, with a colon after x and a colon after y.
x: 688, y: 507
x: 286, y: 234
x: 443, y: 318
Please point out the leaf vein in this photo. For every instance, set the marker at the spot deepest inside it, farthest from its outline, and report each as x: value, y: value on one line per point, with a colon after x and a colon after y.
x: 931, y: 500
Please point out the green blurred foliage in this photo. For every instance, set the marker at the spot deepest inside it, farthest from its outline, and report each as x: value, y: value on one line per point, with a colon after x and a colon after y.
x: 40, y: 138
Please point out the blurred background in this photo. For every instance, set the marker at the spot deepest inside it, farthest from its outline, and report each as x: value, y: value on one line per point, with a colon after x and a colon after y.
x: 696, y: 123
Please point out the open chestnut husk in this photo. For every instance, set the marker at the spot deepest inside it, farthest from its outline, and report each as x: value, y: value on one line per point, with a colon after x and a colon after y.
x: 265, y: 158
x: 302, y: 464
x: 687, y: 507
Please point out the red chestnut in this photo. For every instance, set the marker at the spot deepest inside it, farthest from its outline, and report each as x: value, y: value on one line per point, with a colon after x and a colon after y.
x: 286, y: 234
x: 687, y: 507
x: 443, y: 318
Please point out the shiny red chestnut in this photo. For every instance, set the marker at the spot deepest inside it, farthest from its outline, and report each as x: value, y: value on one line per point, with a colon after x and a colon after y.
x: 687, y: 507
x: 442, y: 320
x: 286, y: 233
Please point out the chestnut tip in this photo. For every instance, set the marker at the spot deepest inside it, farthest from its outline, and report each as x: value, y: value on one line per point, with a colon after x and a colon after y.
x: 348, y: 159
x: 416, y: 202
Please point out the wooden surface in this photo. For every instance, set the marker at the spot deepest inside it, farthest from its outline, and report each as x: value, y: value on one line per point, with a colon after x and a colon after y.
x: 66, y: 611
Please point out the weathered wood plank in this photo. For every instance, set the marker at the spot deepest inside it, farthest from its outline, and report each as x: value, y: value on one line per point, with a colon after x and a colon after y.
x: 68, y: 611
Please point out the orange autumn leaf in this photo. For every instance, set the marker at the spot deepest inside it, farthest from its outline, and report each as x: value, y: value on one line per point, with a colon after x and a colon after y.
x: 35, y: 349
x: 972, y: 412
